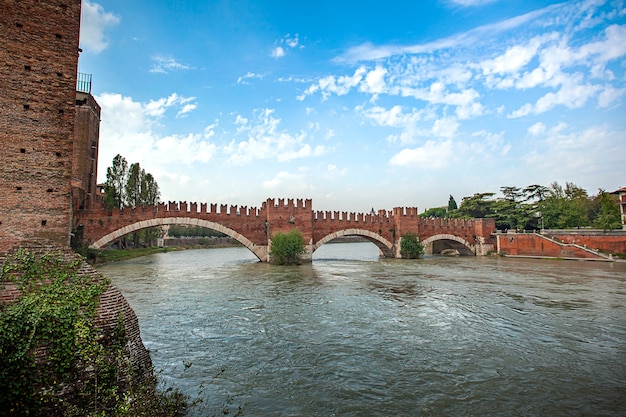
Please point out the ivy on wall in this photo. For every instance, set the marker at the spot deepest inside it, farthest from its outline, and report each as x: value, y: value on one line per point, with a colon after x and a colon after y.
x: 48, y: 344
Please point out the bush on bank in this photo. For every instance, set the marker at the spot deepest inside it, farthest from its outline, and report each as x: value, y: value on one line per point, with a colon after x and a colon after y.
x: 287, y: 248
x: 53, y: 360
x: 410, y: 246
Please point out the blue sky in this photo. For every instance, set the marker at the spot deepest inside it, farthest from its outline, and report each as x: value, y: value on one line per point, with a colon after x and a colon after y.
x: 359, y: 104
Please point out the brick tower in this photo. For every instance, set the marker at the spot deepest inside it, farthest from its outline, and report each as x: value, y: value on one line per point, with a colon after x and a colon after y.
x: 38, y: 66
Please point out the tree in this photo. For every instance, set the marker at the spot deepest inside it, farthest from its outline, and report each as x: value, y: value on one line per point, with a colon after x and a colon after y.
x: 150, y: 193
x: 410, y: 246
x: 476, y: 206
x: 287, y: 247
x: 565, y: 207
x: 115, y: 185
x: 452, y: 203
x: 609, y: 216
x: 131, y: 187
x: 435, y: 212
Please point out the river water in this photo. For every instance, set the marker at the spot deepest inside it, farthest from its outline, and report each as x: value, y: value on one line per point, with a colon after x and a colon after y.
x: 356, y: 335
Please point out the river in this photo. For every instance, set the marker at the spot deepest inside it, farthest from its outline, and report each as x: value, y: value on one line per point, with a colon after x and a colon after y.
x: 356, y: 335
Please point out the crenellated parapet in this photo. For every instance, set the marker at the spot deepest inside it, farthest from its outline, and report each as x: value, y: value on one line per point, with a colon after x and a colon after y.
x: 254, y: 227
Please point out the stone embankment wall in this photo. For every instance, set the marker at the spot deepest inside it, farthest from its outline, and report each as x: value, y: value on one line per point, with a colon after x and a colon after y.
x: 536, y: 245
x: 612, y: 241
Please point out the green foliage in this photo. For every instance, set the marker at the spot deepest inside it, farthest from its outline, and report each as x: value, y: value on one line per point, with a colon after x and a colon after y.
x: 438, y: 212
x: 565, y: 208
x: 287, y: 247
x: 609, y: 216
x: 53, y: 361
x: 452, y: 203
x: 192, y: 231
x: 129, y: 186
x: 55, y: 311
x: 537, y: 206
x: 479, y: 205
x: 410, y: 246
x: 114, y: 187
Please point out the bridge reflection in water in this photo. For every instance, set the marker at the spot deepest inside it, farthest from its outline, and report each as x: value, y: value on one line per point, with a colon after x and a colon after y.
x: 254, y: 227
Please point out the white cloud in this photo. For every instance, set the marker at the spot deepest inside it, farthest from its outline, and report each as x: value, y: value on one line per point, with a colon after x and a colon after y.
x: 610, y: 95
x: 290, y: 183
x: 249, y: 76
x: 163, y: 64
x: 375, y: 81
x: 571, y: 94
x: 589, y: 156
x: 445, y: 128
x: 292, y: 41
x: 278, y: 52
x: 432, y: 155
x: 94, y: 22
x: 371, y: 52
x: 537, y: 129
x: 187, y: 108
x: 266, y: 141
x: 514, y: 59
x: 131, y: 128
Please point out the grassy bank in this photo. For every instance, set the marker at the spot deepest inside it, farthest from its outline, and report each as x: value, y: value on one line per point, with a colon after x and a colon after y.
x: 114, y: 255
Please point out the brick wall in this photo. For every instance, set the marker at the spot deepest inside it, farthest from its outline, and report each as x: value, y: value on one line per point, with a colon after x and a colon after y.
x: 85, y: 151
x: 38, y: 64
x: 535, y: 245
x: 610, y: 242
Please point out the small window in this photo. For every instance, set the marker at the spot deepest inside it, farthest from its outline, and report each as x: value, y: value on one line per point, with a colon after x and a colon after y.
x: 26, y: 106
x: 18, y: 188
x: 58, y: 35
x: 59, y: 74
x: 58, y: 154
x: 43, y: 222
x: 19, y: 25
x: 22, y: 150
x: 61, y: 111
x: 49, y: 190
x: 27, y: 67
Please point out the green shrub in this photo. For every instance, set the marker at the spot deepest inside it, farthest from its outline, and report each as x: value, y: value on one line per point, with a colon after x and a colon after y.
x: 287, y: 248
x: 410, y: 246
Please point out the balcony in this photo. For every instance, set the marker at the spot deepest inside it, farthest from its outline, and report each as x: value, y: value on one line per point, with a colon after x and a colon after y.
x: 83, y: 83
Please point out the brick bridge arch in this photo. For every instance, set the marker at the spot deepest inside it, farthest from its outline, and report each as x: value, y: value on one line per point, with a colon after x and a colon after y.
x: 453, y: 242
x: 259, y: 251
x: 385, y: 246
x: 255, y: 227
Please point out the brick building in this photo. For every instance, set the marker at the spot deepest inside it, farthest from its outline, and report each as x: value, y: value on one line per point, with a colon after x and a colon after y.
x: 38, y: 71
x: 86, y: 142
x: 621, y: 193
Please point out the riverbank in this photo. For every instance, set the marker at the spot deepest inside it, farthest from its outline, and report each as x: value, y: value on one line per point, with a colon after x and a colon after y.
x: 115, y: 255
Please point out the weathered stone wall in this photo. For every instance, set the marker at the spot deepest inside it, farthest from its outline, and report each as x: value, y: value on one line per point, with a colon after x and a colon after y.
x: 38, y: 63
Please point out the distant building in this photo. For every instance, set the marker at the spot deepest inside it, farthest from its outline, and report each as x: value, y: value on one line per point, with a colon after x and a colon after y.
x: 622, y: 204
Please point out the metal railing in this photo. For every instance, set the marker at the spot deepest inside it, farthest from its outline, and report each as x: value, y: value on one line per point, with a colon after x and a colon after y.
x: 83, y: 83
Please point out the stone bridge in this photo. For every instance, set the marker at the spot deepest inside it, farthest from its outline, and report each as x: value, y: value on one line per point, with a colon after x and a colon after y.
x: 254, y: 227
